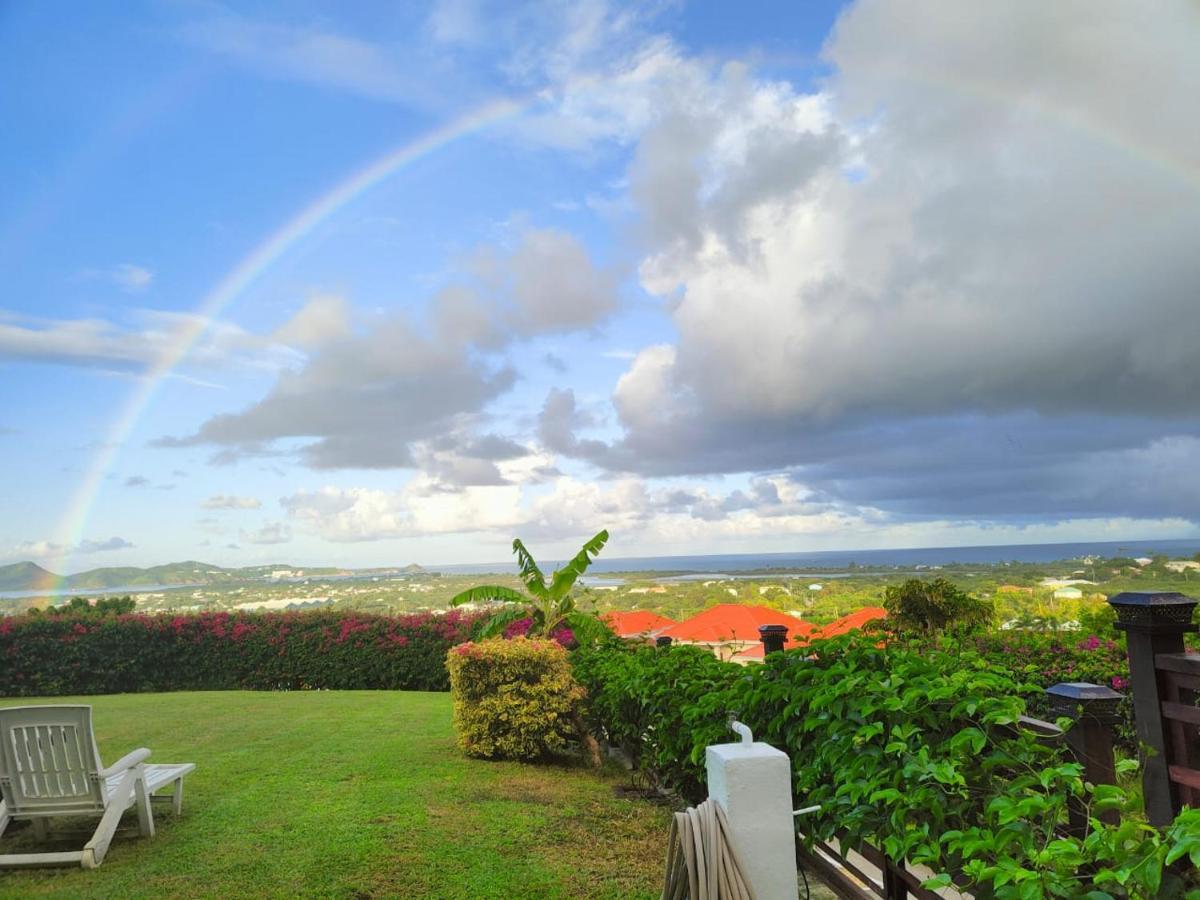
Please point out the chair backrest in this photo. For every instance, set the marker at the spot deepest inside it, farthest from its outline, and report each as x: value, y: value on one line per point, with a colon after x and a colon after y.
x: 49, y: 764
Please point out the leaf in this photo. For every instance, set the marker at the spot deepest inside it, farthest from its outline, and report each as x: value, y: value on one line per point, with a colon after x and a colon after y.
x: 534, y: 580
x: 496, y: 624
x: 488, y: 593
x: 564, y: 579
x: 587, y: 628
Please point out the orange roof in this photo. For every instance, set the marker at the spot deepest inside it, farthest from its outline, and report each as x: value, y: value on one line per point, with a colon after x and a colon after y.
x: 632, y: 624
x: 856, y: 619
x: 845, y: 624
x: 734, y: 622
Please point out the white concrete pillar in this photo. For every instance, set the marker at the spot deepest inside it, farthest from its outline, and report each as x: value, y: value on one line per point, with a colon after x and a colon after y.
x: 753, y: 784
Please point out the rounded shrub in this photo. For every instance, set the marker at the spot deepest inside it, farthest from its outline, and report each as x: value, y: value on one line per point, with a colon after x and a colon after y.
x: 513, y: 699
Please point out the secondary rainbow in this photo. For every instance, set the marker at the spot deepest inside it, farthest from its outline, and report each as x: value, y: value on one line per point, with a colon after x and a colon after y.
x: 69, y: 532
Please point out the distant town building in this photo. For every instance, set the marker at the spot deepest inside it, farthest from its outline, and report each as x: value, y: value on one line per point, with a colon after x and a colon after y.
x: 1063, y: 582
x: 283, y: 603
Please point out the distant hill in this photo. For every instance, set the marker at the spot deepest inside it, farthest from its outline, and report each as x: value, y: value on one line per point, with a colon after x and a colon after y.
x: 29, y: 576
x: 24, y: 576
x: 187, y: 572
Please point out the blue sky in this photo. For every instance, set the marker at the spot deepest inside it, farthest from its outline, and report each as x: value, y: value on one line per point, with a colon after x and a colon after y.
x: 806, y: 276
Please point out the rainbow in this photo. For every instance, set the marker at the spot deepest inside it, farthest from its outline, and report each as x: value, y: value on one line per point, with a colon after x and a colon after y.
x: 249, y: 270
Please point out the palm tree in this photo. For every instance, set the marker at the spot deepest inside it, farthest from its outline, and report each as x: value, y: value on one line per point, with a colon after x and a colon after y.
x: 549, y: 606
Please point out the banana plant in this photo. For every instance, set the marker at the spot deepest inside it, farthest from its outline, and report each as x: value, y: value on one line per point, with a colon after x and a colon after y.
x: 548, y: 604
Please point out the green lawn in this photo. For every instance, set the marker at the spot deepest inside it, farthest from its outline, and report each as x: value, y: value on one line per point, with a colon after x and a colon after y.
x: 349, y: 794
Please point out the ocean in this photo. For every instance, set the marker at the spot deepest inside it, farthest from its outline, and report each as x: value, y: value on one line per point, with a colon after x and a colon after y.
x: 826, y: 563
x: 839, y: 560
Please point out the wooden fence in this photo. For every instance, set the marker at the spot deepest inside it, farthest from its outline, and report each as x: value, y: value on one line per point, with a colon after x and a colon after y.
x: 1165, y: 681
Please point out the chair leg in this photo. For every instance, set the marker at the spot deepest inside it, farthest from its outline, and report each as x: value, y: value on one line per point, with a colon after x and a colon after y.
x: 95, y: 849
x: 145, y: 814
x: 5, y: 818
x: 41, y: 829
x: 177, y: 798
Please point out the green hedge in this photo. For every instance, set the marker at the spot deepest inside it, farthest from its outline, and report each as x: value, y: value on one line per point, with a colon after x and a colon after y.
x: 513, y: 699
x: 661, y: 707
x: 43, y: 656
x: 911, y: 748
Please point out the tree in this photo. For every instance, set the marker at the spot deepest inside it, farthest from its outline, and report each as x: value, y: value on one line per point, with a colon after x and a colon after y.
x: 934, y: 606
x: 548, y: 606
x: 81, y: 606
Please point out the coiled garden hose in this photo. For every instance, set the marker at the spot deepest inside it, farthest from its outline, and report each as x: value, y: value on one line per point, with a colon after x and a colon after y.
x: 702, y: 863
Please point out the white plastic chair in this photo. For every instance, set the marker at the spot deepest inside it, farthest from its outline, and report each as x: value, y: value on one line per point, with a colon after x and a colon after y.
x: 49, y: 767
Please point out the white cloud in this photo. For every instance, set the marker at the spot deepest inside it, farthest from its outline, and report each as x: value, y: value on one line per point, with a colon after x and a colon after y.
x: 547, y: 284
x: 998, y: 257
x: 271, y: 533
x: 324, y: 318
x: 155, y: 336
x: 50, y: 551
x: 957, y: 280
x: 987, y: 246
x: 131, y: 277
x: 104, y: 546
x: 127, y: 276
x: 231, y: 501
x: 395, y: 395
x: 456, y: 22
x: 37, y: 550
x: 309, y: 53
x: 365, y: 400
x: 770, y: 514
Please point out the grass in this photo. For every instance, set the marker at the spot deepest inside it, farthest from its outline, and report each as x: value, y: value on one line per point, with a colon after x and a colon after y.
x: 350, y: 794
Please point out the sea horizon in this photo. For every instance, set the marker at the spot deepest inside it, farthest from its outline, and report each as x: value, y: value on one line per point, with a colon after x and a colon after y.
x: 904, y: 557
x: 827, y: 563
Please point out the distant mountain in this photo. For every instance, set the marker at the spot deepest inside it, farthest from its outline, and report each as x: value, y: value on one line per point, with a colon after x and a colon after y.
x: 187, y: 572
x: 25, y: 576
x: 28, y: 576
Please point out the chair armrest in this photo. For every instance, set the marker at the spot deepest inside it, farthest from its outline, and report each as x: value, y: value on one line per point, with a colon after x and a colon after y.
x: 128, y: 761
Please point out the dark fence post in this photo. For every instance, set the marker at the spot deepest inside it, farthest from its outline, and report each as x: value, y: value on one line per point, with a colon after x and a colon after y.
x: 663, y: 641
x: 1093, y: 708
x: 772, y: 637
x: 1153, y: 623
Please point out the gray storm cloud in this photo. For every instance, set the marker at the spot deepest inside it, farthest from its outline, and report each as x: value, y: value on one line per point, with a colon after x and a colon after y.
x: 986, y: 230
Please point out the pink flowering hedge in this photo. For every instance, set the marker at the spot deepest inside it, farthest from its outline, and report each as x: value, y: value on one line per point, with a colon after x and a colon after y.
x: 320, y: 649
x: 1048, y: 658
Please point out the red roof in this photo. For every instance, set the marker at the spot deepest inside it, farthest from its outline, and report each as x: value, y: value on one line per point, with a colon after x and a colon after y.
x: 734, y: 622
x: 856, y: 619
x: 633, y: 624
